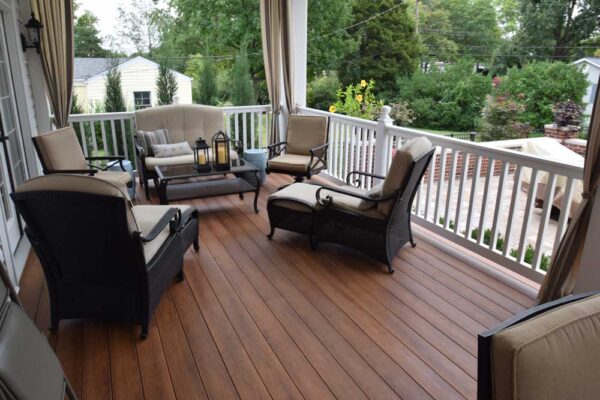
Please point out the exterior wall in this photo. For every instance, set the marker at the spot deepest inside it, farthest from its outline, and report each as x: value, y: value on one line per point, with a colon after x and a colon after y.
x: 136, y: 76
x: 593, y: 73
x: 80, y: 90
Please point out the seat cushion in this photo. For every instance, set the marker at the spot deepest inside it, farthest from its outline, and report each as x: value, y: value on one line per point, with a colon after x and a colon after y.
x: 116, y: 177
x: 293, y: 163
x: 305, y: 132
x: 303, y: 197
x: 60, y: 150
x: 555, y: 355
x: 147, y: 216
x: 152, y: 162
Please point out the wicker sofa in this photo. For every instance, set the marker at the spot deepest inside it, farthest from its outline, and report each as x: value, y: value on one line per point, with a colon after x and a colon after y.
x: 183, y: 123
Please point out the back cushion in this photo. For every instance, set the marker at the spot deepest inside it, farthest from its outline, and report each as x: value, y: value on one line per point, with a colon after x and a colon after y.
x: 60, y: 150
x: 555, y: 355
x: 184, y: 122
x: 147, y: 139
x: 305, y: 132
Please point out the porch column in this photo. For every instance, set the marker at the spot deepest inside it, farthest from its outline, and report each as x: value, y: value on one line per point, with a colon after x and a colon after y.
x: 300, y: 48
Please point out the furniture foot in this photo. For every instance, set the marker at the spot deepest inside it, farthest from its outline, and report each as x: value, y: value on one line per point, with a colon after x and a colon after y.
x: 313, y: 243
x: 390, y: 268
x: 270, y: 235
x: 180, y: 276
x: 196, y: 245
x: 241, y: 196
x: 144, y: 333
x: 146, y: 190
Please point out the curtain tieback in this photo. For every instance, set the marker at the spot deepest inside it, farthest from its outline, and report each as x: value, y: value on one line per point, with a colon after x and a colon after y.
x: 590, y: 194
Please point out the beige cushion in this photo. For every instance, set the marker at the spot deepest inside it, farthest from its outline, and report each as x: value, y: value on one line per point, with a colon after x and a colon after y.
x: 555, y: 355
x: 60, y: 150
x: 305, y: 132
x: 116, y: 177
x: 302, y: 197
x: 152, y: 162
x: 293, y: 163
x: 399, y: 171
x: 147, y: 217
x: 171, y: 150
x: 184, y: 122
x: 147, y: 139
x: 82, y: 184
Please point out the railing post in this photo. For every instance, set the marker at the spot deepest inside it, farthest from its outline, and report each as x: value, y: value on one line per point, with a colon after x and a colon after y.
x: 382, y: 144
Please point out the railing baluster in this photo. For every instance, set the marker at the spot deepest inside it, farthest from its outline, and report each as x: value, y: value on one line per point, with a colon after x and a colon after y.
x: 113, y: 134
x: 370, y: 160
x: 83, y: 139
x: 514, y: 201
x: 440, y: 185
x: 565, y: 212
x: 237, y: 126
x: 245, y: 130
x: 104, y: 142
x: 363, y: 157
x: 124, y: 138
x: 252, y: 133
x: 463, y: 184
x: 228, y: 124
x: 545, y: 217
x: 430, y: 177
x: 94, y: 141
x: 472, y: 196
x: 484, y: 203
x: 346, y: 150
x: 260, y: 130
x: 451, y: 179
x: 498, y: 208
x: 527, y: 216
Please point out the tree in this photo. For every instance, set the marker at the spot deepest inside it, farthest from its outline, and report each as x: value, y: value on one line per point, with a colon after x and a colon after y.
x: 142, y: 24
x: 114, y: 100
x: 551, y: 28
x: 208, y: 92
x: 76, y: 107
x: 166, y: 85
x: 242, y: 88
x: 86, y: 37
x: 435, y: 26
x: 387, y: 46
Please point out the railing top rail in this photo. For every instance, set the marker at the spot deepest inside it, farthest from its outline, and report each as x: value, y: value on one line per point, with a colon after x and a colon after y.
x: 102, y: 116
x: 258, y: 107
x: 340, y: 117
x: 512, y: 156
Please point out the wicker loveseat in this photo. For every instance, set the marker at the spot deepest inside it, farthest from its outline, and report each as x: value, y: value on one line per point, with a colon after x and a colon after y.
x: 375, y: 222
x: 183, y: 123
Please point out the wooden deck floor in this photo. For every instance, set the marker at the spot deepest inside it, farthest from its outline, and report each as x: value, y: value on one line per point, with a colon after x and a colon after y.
x: 272, y: 319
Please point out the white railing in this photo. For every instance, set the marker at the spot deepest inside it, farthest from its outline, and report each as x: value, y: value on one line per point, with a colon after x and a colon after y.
x: 494, y: 201
x: 112, y: 133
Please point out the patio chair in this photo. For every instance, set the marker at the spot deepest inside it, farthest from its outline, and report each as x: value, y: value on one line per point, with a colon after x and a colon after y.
x: 29, y: 368
x: 59, y: 152
x: 551, y: 351
x: 375, y: 222
x: 304, y: 153
x: 103, y: 257
x: 182, y: 123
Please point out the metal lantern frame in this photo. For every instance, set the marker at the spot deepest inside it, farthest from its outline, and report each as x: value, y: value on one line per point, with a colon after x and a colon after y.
x: 34, y: 33
x: 221, y: 145
x: 201, y: 148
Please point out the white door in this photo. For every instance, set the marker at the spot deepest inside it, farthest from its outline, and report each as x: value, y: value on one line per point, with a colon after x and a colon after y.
x: 12, y: 159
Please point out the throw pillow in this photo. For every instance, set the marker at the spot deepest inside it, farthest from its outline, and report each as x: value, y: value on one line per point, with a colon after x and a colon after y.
x: 148, y: 138
x: 171, y: 150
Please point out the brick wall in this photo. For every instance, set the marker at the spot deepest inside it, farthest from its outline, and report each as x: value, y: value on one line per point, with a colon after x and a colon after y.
x: 561, y: 133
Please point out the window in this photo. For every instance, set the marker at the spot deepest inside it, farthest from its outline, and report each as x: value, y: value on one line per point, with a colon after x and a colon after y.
x: 141, y: 100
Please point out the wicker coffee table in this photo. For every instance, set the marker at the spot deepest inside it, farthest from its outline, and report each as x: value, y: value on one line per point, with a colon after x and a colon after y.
x: 183, y: 181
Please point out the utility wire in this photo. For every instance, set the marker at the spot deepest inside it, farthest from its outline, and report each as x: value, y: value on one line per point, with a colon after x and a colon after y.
x: 359, y: 23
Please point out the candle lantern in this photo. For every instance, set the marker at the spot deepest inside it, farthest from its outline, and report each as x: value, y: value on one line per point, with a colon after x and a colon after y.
x: 220, y: 148
x: 201, y: 152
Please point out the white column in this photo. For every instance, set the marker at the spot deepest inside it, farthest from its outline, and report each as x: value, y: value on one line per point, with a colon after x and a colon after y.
x: 300, y: 50
x: 382, y: 148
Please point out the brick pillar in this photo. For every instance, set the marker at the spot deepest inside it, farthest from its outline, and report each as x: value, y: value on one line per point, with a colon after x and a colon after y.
x: 561, y: 133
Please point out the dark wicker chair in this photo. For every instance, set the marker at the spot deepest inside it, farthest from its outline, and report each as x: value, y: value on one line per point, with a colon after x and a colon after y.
x: 59, y: 152
x: 375, y: 222
x: 551, y: 351
x: 304, y: 153
x: 103, y: 257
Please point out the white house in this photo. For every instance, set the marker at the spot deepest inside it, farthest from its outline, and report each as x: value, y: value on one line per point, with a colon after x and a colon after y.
x: 138, y: 80
x: 591, y: 67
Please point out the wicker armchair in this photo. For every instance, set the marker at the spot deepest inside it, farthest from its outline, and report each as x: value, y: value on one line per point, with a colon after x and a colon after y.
x: 375, y: 222
x: 60, y: 153
x: 304, y: 154
x: 103, y: 257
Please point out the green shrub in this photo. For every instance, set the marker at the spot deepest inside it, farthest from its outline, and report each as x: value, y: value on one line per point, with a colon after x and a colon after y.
x: 445, y: 100
x: 358, y: 101
x: 528, y: 258
x: 487, y: 237
x: 321, y: 92
x: 540, y: 85
x: 567, y: 113
x: 500, y: 119
x: 402, y: 114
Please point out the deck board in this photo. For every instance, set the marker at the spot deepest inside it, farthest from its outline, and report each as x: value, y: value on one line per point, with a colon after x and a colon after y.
x: 273, y: 319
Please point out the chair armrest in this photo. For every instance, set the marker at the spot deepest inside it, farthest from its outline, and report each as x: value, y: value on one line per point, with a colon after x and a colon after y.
x: 275, y: 149
x: 319, y: 150
x: 139, y: 149
x: 172, y: 218
x: 115, y: 160
x: 90, y: 172
x: 352, y: 173
x: 328, y: 200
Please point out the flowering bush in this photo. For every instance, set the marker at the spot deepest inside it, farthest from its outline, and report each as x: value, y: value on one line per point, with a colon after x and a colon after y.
x: 567, y: 113
x: 402, y: 114
x: 500, y: 118
x: 358, y: 101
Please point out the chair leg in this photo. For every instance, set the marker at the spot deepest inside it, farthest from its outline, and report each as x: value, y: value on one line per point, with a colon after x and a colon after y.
x: 180, y: 276
x: 145, y: 326
x: 196, y: 245
x: 270, y: 235
x: 298, y: 179
x: 146, y: 189
x: 313, y: 242
x: 410, y: 235
x: 390, y: 268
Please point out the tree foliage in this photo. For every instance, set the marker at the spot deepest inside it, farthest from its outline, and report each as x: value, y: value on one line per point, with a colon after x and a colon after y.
x: 142, y: 25
x: 242, y: 88
x: 86, y: 37
x: 387, y: 44
x: 208, y: 92
x: 114, y: 101
x: 166, y: 85
x: 321, y: 91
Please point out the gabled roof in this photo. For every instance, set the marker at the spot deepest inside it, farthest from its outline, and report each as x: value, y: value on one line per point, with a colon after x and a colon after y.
x: 595, y: 61
x: 90, y: 68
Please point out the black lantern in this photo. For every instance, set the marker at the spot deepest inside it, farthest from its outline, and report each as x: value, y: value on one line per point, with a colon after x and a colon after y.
x: 34, y: 32
x: 220, y: 148
x: 201, y: 161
